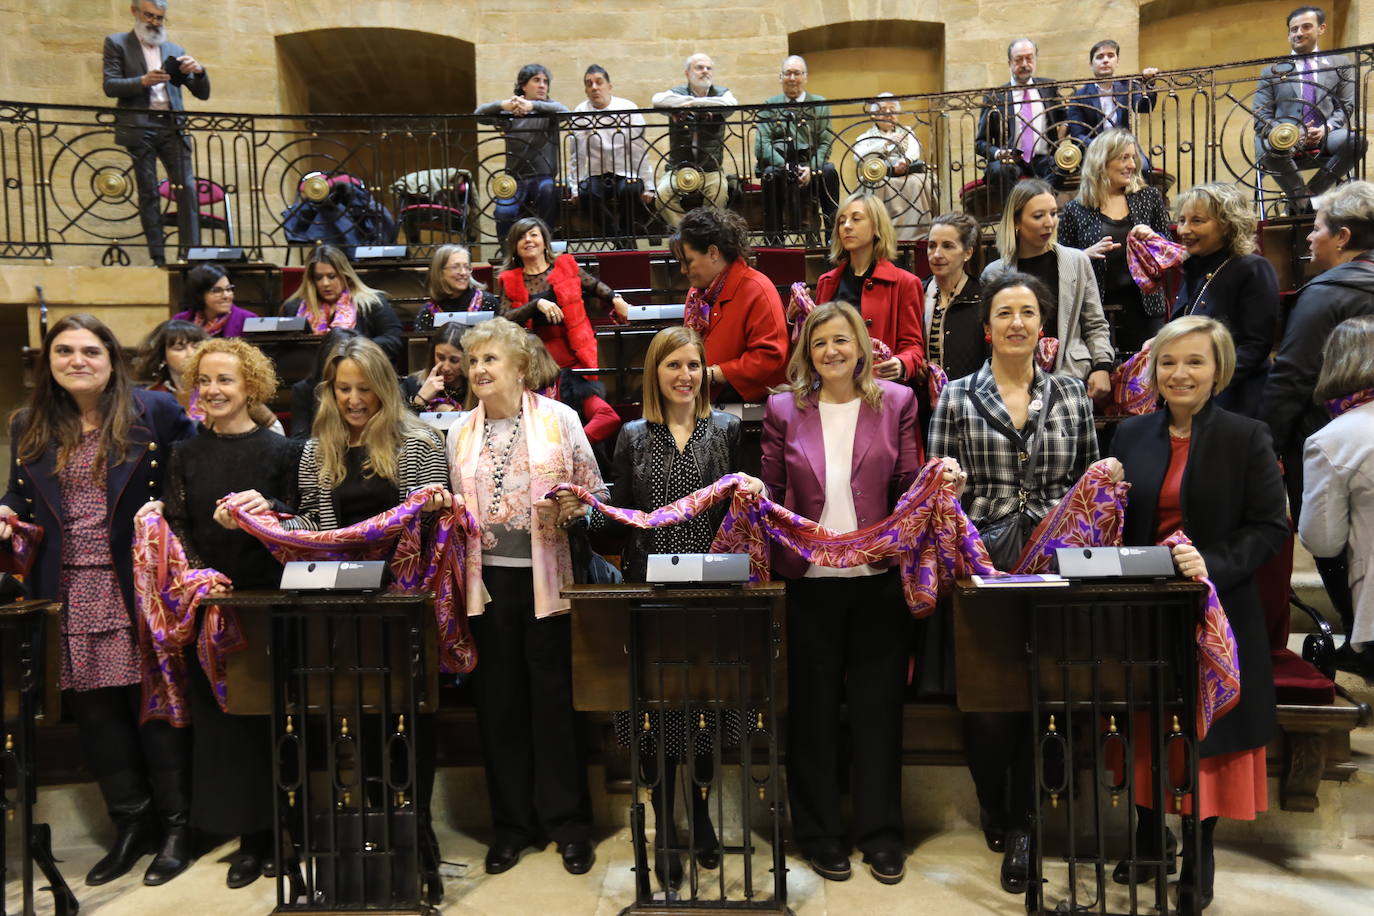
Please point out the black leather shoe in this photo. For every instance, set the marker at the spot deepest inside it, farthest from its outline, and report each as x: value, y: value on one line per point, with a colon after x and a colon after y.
x: 887, y: 866
x: 269, y: 866
x: 578, y: 856
x: 707, y: 849
x: 830, y: 861
x: 136, y: 837
x: 503, y: 856
x: 244, y: 869
x: 995, y: 838
x: 1189, y: 902
x: 1016, y: 862
x: 173, y: 859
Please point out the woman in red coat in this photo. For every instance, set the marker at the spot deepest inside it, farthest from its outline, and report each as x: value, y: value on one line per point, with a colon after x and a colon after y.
x: 888, y: 297
x: 544, y: 294
x: 734, y: 308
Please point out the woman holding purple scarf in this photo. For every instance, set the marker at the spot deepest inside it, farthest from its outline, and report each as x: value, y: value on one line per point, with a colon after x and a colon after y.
x: 840, y: 447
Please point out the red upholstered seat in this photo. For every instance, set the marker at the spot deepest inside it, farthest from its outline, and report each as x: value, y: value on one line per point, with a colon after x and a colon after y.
x: 1296, y: 681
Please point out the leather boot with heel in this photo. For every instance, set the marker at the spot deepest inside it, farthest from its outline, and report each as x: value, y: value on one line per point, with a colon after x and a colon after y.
x: 171, y: 792
x: 136, y: 830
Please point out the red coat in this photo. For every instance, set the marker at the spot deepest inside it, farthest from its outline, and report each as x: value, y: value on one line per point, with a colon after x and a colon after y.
x: 747, y: 335
x: 572, y: 344
x: 893, y: 307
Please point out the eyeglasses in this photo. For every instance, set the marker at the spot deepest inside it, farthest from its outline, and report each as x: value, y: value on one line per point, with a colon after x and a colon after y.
x: 222, y: 290
x: 152, y: 18
x: 794, y: 73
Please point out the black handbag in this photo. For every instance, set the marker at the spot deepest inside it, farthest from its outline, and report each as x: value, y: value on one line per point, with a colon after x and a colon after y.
x: 1006, y: 537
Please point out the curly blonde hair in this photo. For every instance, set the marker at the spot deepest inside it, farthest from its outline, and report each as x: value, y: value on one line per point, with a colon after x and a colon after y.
x: 1227, y: 205
x: 259, y: 375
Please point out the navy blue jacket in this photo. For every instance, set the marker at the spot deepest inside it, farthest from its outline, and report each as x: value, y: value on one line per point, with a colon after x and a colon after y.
x: 35, y: 496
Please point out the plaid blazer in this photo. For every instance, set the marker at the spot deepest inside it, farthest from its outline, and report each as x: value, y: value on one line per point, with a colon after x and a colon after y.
x: 986, y: 453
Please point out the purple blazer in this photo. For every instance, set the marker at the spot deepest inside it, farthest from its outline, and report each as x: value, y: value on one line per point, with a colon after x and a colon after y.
x: 887, y: 455
x: 232, y: 328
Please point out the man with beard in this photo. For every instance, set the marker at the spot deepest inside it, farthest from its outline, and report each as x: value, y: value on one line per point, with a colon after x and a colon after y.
x: 135, y: 76
x: 696, y: 138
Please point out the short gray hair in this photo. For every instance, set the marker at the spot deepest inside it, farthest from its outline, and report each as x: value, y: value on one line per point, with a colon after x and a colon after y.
x: 160, y: 4
x: 1016, y: 41
x: 1350, y: 206
x: 1347, y: 360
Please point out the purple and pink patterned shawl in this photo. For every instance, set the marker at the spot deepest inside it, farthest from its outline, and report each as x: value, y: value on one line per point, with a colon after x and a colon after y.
x: 435, y: 564
x: 23, y: 546
x: 936, y: 380
x: 1132, y: 392
x: 1090, y: 514
x: 1218, y: 670
x: 696, y: 314
x: 343, y: 315
x: 1150, y: 259
x: 1338, y: 406
x: 1046, y: 352
x: 167, y: 592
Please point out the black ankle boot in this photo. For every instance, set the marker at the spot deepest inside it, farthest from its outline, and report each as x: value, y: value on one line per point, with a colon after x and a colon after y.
x: 705, y: 845
x: 1147, y: 847
x: 136, y: 835
x: 667, y: 863
x: 429, y: 862
x: 173, y: 858
x: 1195, y: 894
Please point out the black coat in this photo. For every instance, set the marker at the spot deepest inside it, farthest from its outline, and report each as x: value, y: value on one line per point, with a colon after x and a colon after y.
x: 1244, y: 296
x: 1344, y: 291
x: 1080, y: 227
x: 1233, y: 510
x: 35, y: 495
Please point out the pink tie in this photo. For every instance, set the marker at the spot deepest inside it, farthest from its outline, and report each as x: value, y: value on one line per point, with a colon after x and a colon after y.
x: 1027, y: 131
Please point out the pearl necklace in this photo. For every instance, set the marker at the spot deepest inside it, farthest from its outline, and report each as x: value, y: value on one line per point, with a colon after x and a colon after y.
x: 498, y: 474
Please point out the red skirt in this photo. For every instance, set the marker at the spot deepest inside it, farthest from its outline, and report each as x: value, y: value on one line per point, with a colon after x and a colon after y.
x: 1234, y: 785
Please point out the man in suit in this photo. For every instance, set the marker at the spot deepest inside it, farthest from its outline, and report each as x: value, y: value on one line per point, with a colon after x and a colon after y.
x: 1316, y: 93
x: 792, y: 147
x: 135, y: 76
x: 1108, y: 102
x: 1020, y: 124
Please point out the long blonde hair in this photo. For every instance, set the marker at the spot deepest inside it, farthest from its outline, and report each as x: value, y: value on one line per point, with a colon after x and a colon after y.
x: 386, y: 431
x: 363, y: 297
x: 1092, y: 184
x: 1021, y: 194
x: 802, y: 379
x: 884, y: 234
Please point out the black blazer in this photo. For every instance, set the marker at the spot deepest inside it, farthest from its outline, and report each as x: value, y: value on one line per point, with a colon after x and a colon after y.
x: 34, y: 494
x: 124, y: 68
x: 1080, y: 227
x: 1086, y: 118
x: 999, y: 111
x: 1234, y: 512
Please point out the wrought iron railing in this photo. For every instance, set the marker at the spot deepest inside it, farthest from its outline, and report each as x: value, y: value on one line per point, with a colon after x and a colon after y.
x: 268, y: 183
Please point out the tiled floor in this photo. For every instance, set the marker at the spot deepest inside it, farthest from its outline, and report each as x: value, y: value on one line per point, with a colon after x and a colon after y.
x: 1282, y: 865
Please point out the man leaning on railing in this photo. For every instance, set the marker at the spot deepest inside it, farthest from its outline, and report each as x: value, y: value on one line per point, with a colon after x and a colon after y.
x: 608, y: 173
x: 531, y: 148
x: 696, y: 140
x: 134, y: 74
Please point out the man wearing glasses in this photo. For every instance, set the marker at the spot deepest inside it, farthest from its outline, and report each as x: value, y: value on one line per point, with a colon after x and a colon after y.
x: 135, y: 75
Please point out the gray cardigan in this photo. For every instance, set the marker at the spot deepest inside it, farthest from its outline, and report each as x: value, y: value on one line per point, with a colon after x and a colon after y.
x: 1084, y: 339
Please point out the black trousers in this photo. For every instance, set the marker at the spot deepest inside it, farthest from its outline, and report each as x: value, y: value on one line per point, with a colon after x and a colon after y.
x: 139, y: 768
x: 174, y: 149
x: 1002, y: 176
x: 536, y: 768
x: 231, y: 757
x: 779, y: 184
x: 998, y: 748
x: 846, y: 640
x: 610, y: 201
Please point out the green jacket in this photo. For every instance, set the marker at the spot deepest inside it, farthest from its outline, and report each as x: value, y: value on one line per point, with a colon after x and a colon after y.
x: 802, y: 131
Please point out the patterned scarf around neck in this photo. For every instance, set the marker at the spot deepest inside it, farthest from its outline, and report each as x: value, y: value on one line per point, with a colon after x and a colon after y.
x: 215, y: 326
x: 1338, y: 406
x: 344, y: 315
x: 697, y: 312
x: 168, y: 591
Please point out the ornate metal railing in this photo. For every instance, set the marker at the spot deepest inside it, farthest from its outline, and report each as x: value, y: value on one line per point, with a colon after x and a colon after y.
x: 268, y: 183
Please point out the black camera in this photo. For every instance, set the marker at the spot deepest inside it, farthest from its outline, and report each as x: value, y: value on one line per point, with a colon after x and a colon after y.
x: 173, y: 68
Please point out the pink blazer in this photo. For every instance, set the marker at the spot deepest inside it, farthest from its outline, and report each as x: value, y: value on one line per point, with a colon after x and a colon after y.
x: 887, y: 455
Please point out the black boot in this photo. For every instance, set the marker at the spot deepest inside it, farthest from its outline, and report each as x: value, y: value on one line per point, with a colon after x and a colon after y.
x: 1195, y: 894
x: 171, y: 791
x: 136, y: 830
x: 40, y: 848
x: 667, y: 864
x: 246, y: 865
x: 705, y: 845
x: 1147, y: 847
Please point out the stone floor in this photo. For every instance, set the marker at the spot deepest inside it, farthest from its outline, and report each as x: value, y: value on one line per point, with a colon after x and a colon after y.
x: 1284, y: 864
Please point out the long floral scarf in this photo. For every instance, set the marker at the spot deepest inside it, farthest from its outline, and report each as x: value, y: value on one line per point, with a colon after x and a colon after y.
x: 1218, y: 670
x: 343, y: 315
x: 1150, y: 259
x: 696, y: 314
x: 1338, y: 406
x: 1132, y: 393
x: 433, y: 564
x: 167, y: 593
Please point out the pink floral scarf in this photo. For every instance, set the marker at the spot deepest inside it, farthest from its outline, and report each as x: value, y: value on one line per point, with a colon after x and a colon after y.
x: 1218, y: 670
x: 344, y: 315
x: 1150, y: 259
x: 1132, y: 391
x: 1338, y: 406
x: 697, y: 312
x: 23, y: 547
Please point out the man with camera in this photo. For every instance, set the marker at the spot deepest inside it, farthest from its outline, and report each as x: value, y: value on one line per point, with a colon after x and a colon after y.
x: 146, y: 73
x: 792, y: 147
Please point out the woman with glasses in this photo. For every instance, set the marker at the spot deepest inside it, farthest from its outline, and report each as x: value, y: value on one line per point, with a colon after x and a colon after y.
x: 209, y: 302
